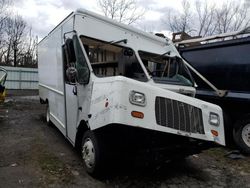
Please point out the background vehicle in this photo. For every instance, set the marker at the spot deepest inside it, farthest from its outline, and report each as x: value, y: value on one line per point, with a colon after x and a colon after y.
x: 225, y: 61
x: 117, y: 89
x: 3, y: 76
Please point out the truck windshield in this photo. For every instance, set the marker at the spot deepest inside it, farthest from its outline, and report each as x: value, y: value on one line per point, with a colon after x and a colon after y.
x: 110, y: 59
x: 166, y: 70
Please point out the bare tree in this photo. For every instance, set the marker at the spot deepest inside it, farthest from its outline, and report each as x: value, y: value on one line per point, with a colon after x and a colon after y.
x: 15, y: 30
x: 208, y: 19
x: 180, y: 21
x: 28, y: 56
x: 125, y: 11
x: 231, y: 17
x: 4, y: 5
x: 205, y: 15
x: 17, y: 43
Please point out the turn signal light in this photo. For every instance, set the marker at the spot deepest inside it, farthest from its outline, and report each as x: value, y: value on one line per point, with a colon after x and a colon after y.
x: 137, y: 114
x: 215, y: 133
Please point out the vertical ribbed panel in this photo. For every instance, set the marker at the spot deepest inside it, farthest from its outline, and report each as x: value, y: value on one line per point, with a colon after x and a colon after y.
x: 178, y: 115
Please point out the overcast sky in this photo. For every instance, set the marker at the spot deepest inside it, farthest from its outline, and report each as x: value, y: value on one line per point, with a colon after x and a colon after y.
x: 44, y: 15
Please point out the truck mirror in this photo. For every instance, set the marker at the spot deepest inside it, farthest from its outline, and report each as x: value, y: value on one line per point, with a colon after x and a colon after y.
x: 128, y: 52
x: 71, y: 74
x: 70, y: 50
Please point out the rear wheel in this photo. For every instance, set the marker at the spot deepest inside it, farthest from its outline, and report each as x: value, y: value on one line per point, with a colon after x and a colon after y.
x: 242, y: 135
x: 48, y: 121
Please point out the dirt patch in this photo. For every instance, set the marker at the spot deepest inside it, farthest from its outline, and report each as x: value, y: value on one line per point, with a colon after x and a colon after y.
x: 221, y: 155
x: 52, y: 167
x: 24, y: 92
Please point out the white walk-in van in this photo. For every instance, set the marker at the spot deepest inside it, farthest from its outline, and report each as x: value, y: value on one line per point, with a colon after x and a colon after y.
x: 111, y: 88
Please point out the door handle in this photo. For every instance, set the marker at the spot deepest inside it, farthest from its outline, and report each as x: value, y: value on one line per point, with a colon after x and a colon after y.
x: 75, y: 90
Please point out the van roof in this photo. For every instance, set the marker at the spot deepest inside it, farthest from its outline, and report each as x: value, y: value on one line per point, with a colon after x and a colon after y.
x: 113, y: 22
x: 121, y: 25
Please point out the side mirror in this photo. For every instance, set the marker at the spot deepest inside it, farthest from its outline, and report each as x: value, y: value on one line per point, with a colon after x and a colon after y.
x: 71, y: 74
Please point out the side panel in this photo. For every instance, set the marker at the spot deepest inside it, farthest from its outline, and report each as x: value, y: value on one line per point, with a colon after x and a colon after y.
x: 51, y: 84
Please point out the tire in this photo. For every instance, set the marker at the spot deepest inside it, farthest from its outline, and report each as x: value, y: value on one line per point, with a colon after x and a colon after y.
x: 92, y: 155
x: 242, y: 135
x: 48, y: 121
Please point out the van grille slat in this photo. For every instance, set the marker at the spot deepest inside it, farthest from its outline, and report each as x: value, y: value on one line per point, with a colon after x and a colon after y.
x: 178, y: 115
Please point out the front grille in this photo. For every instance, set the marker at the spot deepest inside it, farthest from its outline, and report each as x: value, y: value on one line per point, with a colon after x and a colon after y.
x: 178, y: 115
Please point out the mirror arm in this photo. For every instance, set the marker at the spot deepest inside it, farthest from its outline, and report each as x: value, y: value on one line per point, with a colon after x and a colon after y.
x: 220, y: 93
x: 64, y: 35
x: 75, y: 90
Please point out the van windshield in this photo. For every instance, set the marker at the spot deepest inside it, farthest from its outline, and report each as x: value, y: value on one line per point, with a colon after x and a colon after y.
x: 108, y: 59
x: 166, y: 70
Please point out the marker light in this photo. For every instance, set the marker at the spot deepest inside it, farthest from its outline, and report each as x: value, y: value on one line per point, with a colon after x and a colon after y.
x: 215, y: 133
x: 137, y: 114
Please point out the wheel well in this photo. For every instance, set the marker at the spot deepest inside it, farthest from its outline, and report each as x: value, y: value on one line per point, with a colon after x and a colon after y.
x: 82, y: 128
x: 244, y: 117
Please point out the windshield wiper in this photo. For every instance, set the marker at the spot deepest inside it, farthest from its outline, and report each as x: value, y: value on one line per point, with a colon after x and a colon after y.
x: 115, y: 42
x: 168, y: 53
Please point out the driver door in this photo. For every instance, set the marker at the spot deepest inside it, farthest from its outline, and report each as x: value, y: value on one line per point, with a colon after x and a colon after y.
x: 77, y: 84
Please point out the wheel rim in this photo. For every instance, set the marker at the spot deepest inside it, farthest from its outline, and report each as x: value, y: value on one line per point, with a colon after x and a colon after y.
x: 47, y: 115
x: 246, y: 134
x: 88, y: 153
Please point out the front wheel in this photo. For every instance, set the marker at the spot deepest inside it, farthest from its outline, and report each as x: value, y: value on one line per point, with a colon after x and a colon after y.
x: 242, y: 135
x: 91, y: 154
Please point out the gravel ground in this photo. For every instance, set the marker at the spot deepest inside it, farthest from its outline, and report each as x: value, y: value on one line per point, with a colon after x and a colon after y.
x: 35, y: 155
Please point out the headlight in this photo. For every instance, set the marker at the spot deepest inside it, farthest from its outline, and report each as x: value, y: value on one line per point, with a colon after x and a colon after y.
x: 137, y: 98
x: 214, y: 119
